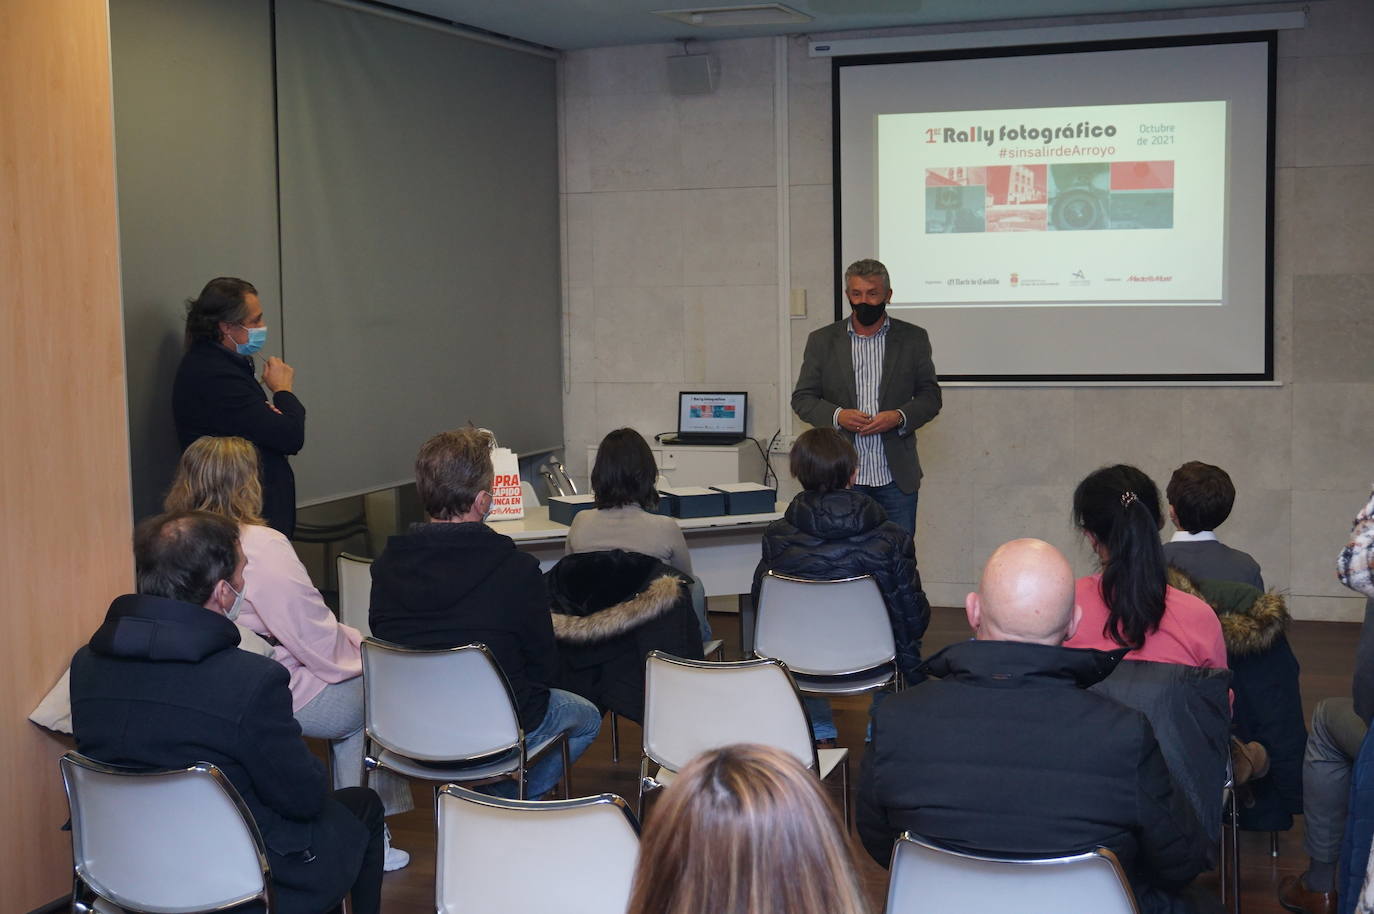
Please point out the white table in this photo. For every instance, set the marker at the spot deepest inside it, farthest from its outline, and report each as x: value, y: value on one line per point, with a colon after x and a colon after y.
x: 725, y: 551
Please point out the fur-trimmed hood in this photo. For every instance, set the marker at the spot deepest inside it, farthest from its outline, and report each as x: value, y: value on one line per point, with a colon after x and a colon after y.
x: 596, y: 596
x: 655, y: 600
x: 1250, y: 618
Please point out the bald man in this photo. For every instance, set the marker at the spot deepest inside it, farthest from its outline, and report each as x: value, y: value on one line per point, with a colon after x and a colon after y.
x: 1007, y: 753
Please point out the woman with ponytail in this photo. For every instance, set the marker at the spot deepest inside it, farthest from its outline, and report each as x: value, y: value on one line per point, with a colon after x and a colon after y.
x: 1129, y: 602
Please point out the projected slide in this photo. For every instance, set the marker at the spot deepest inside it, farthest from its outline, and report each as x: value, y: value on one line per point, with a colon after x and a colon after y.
x: 1121, y: 204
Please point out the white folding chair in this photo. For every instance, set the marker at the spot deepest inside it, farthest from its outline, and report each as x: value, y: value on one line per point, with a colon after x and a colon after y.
x: 445, y: 715
x: 162, y: 842
x: 713, y: 648
x: 355, y: 591
x: 834, y: 636
x: 584, y: 849
x: 928, y: 879
x: 691, y: 706
x: 528, y: 495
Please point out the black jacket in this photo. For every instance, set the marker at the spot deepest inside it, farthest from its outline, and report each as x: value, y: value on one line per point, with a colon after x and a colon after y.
x: 442, y: 585
x: 831, y: 535
x: 1008, y: 754
x: 216, y: 394
x: 609, y: 610
x: 1268, y: 702
x: 1189, y: 709
x: 162, y: 684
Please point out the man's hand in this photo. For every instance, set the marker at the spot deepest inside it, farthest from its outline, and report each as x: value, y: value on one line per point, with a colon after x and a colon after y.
x: 884, y: 421
x: 277, y: 375
x: 852, y: 420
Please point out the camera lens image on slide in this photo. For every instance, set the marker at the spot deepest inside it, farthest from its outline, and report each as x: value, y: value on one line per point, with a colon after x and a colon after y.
x: 1119, y: 195
x: 1079, y: 196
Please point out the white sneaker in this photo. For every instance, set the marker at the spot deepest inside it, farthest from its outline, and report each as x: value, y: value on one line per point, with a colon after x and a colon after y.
x: 393, y: 858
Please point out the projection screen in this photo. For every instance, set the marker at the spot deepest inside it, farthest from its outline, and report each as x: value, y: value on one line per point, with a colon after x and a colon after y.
x: 1082, y: 213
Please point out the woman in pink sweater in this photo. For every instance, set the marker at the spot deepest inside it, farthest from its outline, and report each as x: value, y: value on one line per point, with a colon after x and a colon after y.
x: 221, y: 475
x: 1129, y: 603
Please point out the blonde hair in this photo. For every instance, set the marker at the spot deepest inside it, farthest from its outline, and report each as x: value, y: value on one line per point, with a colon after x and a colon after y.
x: 745, y: 830
x: 221, y: 475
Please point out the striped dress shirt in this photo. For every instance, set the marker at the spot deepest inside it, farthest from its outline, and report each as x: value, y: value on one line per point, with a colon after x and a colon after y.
x: 868, y: 352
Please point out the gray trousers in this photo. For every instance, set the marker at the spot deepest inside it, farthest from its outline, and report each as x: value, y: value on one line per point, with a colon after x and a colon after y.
x: 1332, y: 745
x: 336, y: 714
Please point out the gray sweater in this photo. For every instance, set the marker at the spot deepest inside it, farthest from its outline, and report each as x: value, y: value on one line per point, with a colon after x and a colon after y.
x: 633, y: 529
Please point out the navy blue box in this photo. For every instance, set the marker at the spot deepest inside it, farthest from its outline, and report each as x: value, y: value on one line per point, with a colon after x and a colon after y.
x: 693, y: 501
x: 748, y: 498
x: 563, y: 508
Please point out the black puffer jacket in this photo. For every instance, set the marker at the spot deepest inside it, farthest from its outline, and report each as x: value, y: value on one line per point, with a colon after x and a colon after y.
x: 830, y: 535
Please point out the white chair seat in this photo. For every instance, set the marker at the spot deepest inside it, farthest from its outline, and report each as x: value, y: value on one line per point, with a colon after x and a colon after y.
x: 827, y: 760
x: 492, y: 767
x: 502, y: 765
x: 664, y: 776
x: 857, y: 685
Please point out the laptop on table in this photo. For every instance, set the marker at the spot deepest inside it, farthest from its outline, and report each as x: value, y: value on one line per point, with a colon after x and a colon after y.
x: 710, y: 417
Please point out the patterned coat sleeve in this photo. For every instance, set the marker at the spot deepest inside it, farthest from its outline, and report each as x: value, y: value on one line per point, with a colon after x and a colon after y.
x: 1355, y: 565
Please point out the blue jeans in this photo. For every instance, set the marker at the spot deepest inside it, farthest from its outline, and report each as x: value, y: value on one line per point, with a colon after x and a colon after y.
x: 823, y: 719
x: 568, y: 713
x: 900, y: 507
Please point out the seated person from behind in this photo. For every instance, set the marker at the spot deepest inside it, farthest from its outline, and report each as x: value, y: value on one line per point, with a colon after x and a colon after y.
x: 623, y: 484
x: 162, y: 684
x: 1200, y: 499
x: 1129, y: 602
x: 1339, y: 727
x: 832, y: 531
x: 455, y: 581
x: 745, y: 829
x: 282, y: 605
x: 1009, y: 754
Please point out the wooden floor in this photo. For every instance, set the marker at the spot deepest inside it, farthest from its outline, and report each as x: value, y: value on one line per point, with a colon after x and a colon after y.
x: 1326, y: 651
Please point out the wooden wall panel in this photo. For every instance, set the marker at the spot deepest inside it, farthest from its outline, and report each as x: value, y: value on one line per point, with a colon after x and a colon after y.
x: 64, y: 474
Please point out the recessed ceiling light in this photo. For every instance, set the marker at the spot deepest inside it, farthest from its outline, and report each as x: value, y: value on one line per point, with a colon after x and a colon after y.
x: 865, y: 7
x: 728, y: 16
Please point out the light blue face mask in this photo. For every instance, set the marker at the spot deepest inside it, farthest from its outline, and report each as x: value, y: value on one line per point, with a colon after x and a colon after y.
x: 237, y: 608
x: 257, y: 338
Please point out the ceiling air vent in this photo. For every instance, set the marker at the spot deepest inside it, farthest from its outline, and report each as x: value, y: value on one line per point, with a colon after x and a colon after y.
x: 718, y: 17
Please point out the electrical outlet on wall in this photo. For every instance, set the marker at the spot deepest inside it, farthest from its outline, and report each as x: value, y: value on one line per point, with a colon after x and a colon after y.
x: 783, y: 444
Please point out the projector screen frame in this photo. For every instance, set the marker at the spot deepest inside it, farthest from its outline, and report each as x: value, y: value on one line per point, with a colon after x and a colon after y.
x: 1267, y: 37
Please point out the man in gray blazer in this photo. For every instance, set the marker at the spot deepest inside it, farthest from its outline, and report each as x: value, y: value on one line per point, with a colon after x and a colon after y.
x: 872, y: 377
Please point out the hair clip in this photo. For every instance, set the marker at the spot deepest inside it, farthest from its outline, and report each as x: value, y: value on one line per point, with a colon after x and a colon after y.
x: 1128, y: 498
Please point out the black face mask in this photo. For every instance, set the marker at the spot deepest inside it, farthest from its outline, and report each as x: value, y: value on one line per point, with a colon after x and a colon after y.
x: 869, y: 315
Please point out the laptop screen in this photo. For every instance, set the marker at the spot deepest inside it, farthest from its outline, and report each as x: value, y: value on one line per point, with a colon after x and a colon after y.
x: 712, y: 413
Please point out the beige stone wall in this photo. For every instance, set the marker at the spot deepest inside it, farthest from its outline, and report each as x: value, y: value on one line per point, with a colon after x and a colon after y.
x: 671, y: 232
